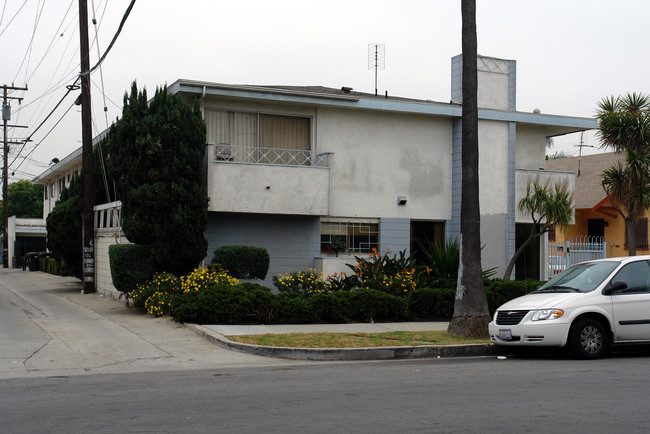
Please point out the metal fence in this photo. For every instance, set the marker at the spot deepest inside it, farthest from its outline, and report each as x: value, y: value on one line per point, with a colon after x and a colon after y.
x: 276, y: 156
x: 562, y: 255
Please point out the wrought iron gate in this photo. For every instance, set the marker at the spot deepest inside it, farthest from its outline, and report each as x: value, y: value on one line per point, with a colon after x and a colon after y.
x: 562, y: 255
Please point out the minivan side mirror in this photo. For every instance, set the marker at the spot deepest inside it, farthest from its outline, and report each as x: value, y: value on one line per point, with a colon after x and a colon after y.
x: 614, y: 286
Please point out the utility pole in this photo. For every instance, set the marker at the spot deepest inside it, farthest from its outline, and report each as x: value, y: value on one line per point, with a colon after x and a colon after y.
x: 87, y: 155
x: 6, y: 117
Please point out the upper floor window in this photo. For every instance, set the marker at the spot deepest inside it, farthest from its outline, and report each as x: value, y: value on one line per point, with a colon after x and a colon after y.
x: 259, y: 138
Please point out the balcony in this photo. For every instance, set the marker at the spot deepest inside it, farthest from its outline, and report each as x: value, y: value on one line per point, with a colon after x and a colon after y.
x: 224, y: 153
x: 267, y: 180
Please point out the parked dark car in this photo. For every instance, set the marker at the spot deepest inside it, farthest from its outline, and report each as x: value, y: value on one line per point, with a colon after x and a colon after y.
x: 34, y: 260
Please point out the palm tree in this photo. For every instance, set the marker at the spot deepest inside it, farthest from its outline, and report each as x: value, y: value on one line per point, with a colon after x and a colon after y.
x: 628, y: 185
x: 471, y: 315
x: 548, y: 206
x: 624, y: 124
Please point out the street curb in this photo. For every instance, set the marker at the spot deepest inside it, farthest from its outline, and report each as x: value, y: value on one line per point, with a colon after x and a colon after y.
x: 370, y: 353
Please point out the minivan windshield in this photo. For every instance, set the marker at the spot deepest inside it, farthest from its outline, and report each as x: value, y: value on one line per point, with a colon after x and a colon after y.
x: 583, y: 277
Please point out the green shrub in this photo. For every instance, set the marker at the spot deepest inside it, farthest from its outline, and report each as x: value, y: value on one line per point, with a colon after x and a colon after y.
x: 367, y: 305
x: 293, y: 308
x: 303, y: 282
x: 201, y: 278
x: 163, y: 283
x: 442, y: 258
x: 224, y: 304
x: 394, y: 274
x: 211, y: 296
x: 55, y: 266
x: 159, y: 303
x: 243, y: 262
x: 431, y: 304
x: 130, y: 265
x: 500, y: 291
x: 51, y: 266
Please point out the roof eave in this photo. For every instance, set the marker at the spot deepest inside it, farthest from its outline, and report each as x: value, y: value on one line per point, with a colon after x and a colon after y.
x: 556, y: 124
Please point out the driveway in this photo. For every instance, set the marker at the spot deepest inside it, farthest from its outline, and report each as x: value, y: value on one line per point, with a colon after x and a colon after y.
x: 48, y: 328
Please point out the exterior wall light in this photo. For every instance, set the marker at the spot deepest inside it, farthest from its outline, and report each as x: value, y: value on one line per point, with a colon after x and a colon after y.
x: 401, y: 200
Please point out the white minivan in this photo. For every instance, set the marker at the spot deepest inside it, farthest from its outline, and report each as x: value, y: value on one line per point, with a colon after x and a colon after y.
x: 588, y: 307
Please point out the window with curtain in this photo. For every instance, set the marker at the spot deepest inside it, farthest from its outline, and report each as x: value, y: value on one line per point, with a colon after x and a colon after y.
x: 352, y: 236
x: 254, y: 133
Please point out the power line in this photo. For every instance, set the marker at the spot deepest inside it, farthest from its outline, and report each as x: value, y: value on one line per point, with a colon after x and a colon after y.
x: 57, y: 37
x: 39, y: 143
x: 12, y: 18
x: 74, y: 85
x: 119, y: 30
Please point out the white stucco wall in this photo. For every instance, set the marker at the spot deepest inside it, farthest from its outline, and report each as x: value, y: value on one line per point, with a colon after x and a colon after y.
x: 380, y: 156
x: 52, y: 184
x: 531, y: 147
x: 493, y: 90
x: 268, y: 189
x: 493, y: 167
x: 103, y: 279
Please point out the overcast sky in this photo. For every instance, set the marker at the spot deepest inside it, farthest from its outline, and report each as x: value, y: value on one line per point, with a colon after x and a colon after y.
x: 569, y: 54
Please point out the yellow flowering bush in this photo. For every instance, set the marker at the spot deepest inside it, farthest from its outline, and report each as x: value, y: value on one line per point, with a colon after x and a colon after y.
x: 399, y: 284
x: 159, y: 303
x: 161, y: 282
x: 201, y: 278
x: 307, y: 281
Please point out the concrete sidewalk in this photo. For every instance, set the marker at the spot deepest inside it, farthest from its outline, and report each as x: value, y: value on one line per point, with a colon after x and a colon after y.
x: 47, y: 325
x: 48, y: 328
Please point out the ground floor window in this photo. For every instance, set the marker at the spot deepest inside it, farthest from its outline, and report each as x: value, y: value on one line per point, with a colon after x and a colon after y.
x: 351, y: 236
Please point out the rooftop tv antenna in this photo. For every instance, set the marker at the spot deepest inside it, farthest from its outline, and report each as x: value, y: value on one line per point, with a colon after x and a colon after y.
x: 376, y: 59
x: 582, y: 145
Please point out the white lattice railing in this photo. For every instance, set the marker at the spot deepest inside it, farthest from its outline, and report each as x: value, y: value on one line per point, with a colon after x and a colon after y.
x: 224, y: 153
x: 108, y: 217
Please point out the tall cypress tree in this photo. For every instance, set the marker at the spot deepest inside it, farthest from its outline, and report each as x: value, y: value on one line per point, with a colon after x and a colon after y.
x: 156, y: 158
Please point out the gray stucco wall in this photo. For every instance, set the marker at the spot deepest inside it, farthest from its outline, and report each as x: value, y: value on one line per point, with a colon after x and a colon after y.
x: 292, y: 241
x: 395, y: 235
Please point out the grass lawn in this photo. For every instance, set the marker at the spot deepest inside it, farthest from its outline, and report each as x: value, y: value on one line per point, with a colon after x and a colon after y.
x: 356, y: 340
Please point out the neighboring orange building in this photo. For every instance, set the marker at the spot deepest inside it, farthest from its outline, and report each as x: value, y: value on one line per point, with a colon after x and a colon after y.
x: 594, y: 214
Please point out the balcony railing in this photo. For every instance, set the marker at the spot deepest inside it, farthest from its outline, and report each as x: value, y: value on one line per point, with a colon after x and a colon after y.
x: 108, y: 217
x: 224, y: 153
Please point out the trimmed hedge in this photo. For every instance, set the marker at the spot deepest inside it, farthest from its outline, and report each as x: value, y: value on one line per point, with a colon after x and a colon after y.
x: 499, y: 291
x: 243, y: 262
x: 53, y: 266
x: 131, y: 264
x: 249, y: 303
x: 240, y: 304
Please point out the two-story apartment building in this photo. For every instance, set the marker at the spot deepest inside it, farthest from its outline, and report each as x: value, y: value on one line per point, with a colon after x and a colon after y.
x: 299, y: 170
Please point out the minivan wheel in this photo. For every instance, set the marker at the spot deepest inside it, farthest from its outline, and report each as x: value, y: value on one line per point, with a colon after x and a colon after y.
x: 589, y: 339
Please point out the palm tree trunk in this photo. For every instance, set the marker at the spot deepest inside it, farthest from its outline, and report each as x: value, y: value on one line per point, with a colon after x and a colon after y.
x: 471, y: 314
x: 630, y: 239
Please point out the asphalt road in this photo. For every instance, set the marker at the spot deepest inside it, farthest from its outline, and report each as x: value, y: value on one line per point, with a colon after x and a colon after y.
x: 521, y: 394
x: 73, y: 363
